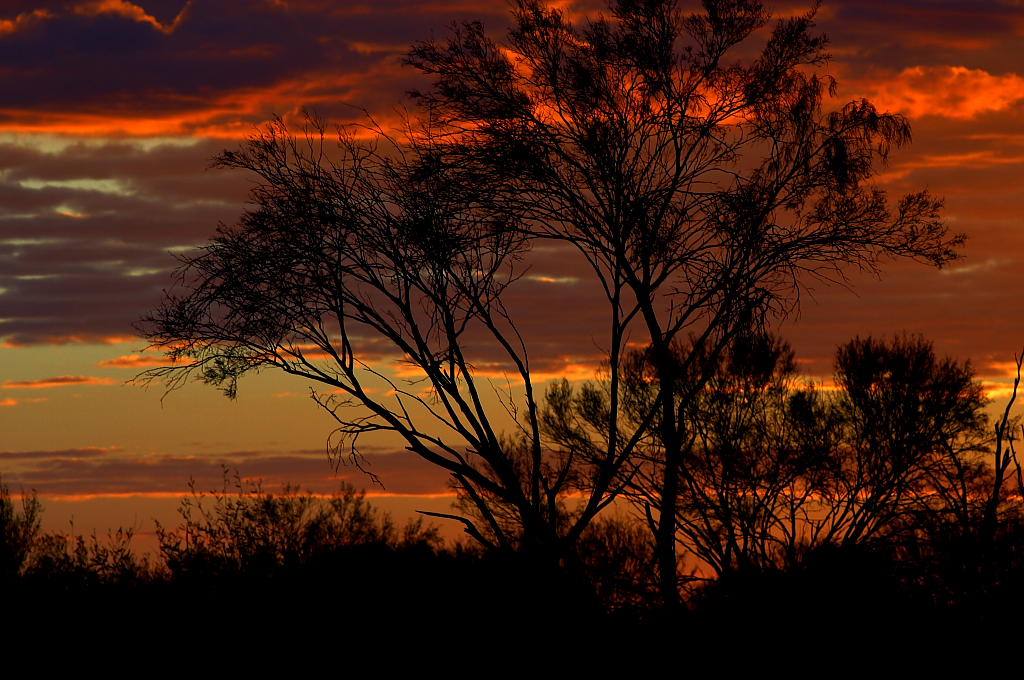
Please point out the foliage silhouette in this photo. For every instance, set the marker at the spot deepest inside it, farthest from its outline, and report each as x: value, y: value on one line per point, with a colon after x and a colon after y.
x: 774, y: 472
x: 18, y: 532
x: 55, y: 561
x: 74, y: 563
x: 245, y: 530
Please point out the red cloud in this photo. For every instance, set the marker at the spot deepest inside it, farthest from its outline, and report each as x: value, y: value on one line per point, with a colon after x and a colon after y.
x: 948, y: 91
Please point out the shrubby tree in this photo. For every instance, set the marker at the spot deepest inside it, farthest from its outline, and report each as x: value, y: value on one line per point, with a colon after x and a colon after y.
x: 774, y: 470
x: 910, y: 420
x: 692, y: 160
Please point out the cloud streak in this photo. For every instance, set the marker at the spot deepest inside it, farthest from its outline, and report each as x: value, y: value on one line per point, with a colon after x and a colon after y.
x: 135, y: 361
x: 949, y: 91
x: 90, y: 471
x: 59, y: 381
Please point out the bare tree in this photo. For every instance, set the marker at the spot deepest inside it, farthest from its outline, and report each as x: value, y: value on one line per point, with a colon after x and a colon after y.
x: 357, y: 252
x: 691, y: 161
x: 1004, y: 453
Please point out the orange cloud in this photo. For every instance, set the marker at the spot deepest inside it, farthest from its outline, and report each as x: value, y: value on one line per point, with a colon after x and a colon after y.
x: 16, y: 402
x: 135, y: 361
x: 155, y: 495
x: 129, y: 10
x: 996, y: 391
x: 974, y: 159
x: 8, y: 26
x: 948, y: 91
x: 377, y: 48
x: 59, y: 381
x: 230, y: 116
x: 997, y: 369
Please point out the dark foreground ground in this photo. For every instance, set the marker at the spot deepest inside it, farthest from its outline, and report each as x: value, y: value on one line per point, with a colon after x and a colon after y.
x: 389, y: 605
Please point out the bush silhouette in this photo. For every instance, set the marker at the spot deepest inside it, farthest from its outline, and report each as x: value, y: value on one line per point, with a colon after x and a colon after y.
x: 245, y: 530
x: 18, y: 532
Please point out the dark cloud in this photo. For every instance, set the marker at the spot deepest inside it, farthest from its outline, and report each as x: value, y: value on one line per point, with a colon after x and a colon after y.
x: 85, y: 230
x: 91, y: 470
x: 923, y: 32
x: 63, y: 454
x: 214, y: 63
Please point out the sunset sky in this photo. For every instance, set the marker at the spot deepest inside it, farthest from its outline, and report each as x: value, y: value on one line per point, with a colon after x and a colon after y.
x: 111, y: 110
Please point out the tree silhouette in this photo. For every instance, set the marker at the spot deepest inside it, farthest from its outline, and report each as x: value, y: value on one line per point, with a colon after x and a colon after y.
x: 687, y: 158
x: 357, y: 253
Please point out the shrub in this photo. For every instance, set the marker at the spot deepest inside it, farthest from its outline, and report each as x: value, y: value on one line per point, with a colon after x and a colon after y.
x: 18, y: 531
x: 245, y: 530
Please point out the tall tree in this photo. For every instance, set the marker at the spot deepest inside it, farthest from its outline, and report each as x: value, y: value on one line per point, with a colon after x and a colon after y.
x: 694, y: 161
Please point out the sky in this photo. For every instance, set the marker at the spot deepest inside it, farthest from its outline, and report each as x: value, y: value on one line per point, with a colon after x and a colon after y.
x: 111, y: 111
